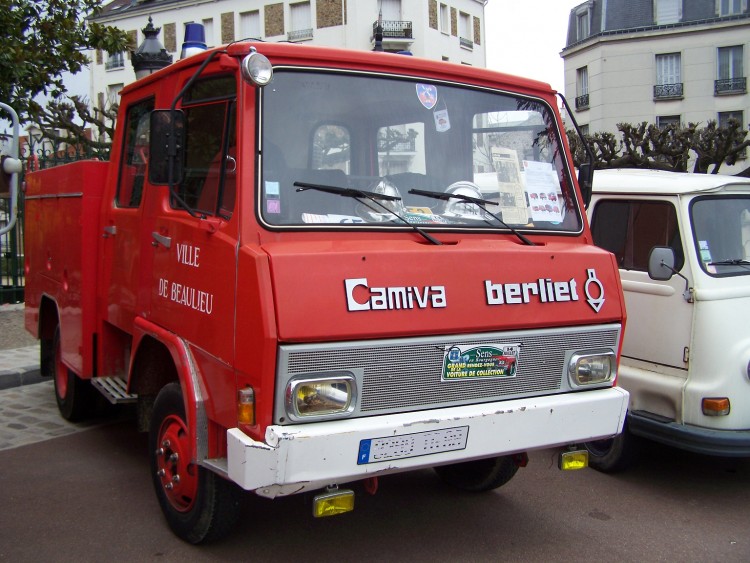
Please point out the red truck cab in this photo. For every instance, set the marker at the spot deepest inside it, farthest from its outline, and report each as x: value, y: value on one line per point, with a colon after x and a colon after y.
x: 311, y: 266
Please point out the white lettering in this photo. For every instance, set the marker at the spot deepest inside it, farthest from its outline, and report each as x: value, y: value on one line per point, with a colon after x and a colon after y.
x: 393, y: 298
x: 188, y: 254
x: 546, y: 290
x: 190, y: 297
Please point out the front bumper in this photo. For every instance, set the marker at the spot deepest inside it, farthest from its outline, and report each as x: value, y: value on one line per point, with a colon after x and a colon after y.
x: 304, y: 457
x: 707, y: 441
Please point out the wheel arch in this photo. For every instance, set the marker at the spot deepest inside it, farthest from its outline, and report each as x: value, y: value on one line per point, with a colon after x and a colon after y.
x: 160, y: 357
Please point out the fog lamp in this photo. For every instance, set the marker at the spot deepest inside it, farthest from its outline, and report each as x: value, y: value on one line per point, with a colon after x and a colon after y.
x: 334, y: 501
x: 572, y: 460
x: 257, y: 68
x: 596, y: 366
x: 716, y: 406
x: 320, y: 396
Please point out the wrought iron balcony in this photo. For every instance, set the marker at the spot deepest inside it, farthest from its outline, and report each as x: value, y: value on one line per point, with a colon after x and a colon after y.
x: 730, y: 86
x: 466, y: 43
x: 582, y: 102
x: 300, y: 35
x: 401, y: 145
x: 393, y: 29
x: 667, y: 91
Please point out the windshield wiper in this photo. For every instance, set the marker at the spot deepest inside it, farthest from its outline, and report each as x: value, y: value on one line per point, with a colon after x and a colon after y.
x: 480, y: 203
x: 731, y: 262
x: 364, y: 194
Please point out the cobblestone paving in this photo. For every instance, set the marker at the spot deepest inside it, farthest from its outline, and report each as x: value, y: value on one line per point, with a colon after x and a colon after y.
x: 28, y: 414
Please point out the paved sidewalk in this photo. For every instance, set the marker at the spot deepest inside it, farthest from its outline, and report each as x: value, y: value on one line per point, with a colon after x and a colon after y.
x: 19, y: 351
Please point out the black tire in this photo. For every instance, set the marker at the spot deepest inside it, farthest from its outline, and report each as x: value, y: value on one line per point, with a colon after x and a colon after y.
x: 480, y: 475
x: 199, y: 506
x: 74, y: 395
x: 614, y: 454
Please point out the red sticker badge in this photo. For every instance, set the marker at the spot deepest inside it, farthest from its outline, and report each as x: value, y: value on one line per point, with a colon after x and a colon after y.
x: 427, y: 94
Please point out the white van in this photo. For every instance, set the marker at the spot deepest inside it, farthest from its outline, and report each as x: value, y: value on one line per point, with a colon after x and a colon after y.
x: 682, y: 242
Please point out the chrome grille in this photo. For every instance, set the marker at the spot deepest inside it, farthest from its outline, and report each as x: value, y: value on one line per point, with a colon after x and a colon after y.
x: 405, y: 374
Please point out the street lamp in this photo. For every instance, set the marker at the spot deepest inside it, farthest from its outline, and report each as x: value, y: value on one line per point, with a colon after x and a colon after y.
x: 151, y: 54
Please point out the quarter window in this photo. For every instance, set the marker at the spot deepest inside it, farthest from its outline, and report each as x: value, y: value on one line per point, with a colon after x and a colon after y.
x: 135, y: 154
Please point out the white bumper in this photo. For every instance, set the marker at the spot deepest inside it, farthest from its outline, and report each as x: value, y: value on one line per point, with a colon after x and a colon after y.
x: 310, y: 456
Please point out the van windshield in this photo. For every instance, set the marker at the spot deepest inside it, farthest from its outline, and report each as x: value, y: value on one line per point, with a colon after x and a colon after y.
x: 721, y: 229
x: 362, y: 151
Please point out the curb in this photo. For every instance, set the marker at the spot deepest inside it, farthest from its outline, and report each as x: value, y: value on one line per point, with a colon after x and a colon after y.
x: 20, y: 376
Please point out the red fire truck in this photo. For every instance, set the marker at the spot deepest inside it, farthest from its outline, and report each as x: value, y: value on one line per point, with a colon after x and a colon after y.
x: 311, y: 267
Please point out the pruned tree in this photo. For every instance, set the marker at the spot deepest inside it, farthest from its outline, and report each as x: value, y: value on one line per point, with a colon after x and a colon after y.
x: 715, y: 145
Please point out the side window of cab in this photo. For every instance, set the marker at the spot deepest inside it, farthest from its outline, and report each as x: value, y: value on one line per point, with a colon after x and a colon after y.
x: 631, y: 228
x: 135, y: 154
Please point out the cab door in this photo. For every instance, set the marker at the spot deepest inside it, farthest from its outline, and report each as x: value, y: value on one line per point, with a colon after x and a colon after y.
x: 195, y: 233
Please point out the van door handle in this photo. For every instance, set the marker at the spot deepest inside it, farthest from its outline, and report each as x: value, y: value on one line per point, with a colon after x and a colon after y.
x: 166, y: 242
x: 109, y: 231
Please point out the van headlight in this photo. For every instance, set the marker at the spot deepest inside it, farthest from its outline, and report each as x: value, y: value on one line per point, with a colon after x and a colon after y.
x: 320, y: 396
x: 592, y: 367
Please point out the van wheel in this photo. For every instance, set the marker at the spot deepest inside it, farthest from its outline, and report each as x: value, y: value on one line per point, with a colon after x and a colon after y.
x: 614, y: 454
x: 199, y: 505
x: 73, y: 394
x: 480, y: 475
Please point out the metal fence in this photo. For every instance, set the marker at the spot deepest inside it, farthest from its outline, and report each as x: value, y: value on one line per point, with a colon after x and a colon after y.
x: 36, y: 154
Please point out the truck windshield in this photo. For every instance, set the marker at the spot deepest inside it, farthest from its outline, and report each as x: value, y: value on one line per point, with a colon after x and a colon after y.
x: 399, y: 137
x: 721, y: 228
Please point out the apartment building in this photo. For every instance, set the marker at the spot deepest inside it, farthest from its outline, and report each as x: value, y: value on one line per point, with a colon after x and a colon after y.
x: 660, y: 61
x: 453, y: 30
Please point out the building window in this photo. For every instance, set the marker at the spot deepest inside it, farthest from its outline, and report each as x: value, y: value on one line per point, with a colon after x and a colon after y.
x: 664, y: 121
x: 732, y: 7
x: 731, y: 79
x: 250, y: 25
x: 113, y: 94
x: 464, y: 31
x: 301, y: 22
x: 583, y: 27
x: 582, y: 88
x: 585, y: 129
x: 115, y: 61
x: 739, y: 117
x: 667, y: 11
x: 668, y: 77
x: 445, y: 19
x: 208, y: 30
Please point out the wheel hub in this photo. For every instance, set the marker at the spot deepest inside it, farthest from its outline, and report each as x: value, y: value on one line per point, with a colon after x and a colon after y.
x: 178, y: 476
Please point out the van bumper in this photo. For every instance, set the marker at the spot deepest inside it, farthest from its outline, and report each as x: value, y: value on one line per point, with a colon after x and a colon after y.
x: 302, y: 457
x: 726, y: 443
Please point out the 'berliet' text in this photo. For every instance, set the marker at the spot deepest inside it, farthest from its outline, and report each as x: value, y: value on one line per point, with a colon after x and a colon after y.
x: 384, y: 298
x: 543, y: 289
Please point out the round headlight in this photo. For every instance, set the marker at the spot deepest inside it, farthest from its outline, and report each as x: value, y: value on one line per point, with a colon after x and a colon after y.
x: 257, y: 68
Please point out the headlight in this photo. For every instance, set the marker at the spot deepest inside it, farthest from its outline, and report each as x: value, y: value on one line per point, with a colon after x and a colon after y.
x: 591, y: 367
x: 320, y: 396
x: 256, y: 68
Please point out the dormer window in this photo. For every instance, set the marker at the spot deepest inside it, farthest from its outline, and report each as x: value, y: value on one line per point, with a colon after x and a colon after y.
x: 583, y: 21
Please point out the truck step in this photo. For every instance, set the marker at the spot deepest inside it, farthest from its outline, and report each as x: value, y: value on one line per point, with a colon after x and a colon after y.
x: 115, y: 389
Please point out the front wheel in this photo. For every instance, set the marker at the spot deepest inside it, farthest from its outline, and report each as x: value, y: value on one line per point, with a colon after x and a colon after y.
x: 614, y: 454
x: 480, y: 475
x: 199, y: 505
x: 74, y: 395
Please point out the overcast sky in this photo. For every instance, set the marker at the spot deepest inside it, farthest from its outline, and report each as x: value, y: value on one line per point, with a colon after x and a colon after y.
x: 525, y: 37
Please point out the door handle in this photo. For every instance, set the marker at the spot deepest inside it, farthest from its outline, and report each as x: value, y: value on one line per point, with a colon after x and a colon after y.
x: 109, y: 231
x: 165, y: 241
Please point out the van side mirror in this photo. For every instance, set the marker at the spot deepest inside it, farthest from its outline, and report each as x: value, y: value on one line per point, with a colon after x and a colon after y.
x: 586, y: 182
x: 166, y: 147
x: 661, y: 263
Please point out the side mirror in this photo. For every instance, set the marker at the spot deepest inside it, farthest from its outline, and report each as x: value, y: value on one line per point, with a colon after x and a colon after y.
x: 166, y: 147
x: 661, y: 263
x: 586, y: 182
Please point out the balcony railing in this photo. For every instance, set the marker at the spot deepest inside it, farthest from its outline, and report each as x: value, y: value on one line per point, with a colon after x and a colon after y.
x: 582, y: 102
x: 730, y: 86
x: 393, y: 29
x: 406, y: 145
x: 300, y: 35
x: 466, y: 43
x: 667, y: 91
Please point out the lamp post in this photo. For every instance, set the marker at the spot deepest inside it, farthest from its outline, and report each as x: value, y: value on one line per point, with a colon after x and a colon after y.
x: 151, y: 54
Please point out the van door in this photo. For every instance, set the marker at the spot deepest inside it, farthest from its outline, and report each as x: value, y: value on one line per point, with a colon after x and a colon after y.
x: 659, y: 317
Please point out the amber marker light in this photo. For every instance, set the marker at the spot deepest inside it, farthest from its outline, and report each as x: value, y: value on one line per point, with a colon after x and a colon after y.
x: 715, y: 406
x: 333, y: 502
x: 246, y: 406
x: 572, y: 460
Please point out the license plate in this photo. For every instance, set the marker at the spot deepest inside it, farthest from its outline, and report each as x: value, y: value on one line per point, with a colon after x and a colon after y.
x: 412, y: 445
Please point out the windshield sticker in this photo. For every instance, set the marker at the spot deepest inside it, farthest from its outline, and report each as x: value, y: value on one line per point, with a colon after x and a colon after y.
x: 273, y: 203
x: 427, y: 94
x: 480, y: 362
x: 542, y: 188
x: 442, y: 121
x: 331, y: 218
x: 509, y: 185
x: 706, y: 256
